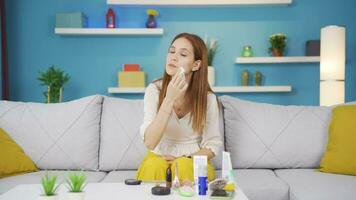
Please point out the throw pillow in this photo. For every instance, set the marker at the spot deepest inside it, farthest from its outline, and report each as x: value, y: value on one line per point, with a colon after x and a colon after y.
x: 340, y: 153
x: 13, y: 158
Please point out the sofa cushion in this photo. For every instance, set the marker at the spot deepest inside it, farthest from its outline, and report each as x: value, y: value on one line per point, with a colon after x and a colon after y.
x: 309, y: 184
x: 339, y: 156
x: 217, y: 160
x: 260, y: 184
x: 261, y: 135
x: 35, y: 178
x: 121, y: 146
x: 119, y: 176
x: 56, y: 136
x: 13, y: 158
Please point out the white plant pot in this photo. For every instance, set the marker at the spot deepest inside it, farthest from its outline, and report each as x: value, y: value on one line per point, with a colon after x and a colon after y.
x: 75, y: 195
x: 211, y: 76
x: 42, y: 197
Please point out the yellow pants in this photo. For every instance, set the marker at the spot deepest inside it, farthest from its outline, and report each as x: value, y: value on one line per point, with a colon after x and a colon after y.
x: 153, y: 168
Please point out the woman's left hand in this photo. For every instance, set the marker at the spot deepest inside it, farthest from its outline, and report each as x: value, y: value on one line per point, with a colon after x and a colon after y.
x: 169, y: 158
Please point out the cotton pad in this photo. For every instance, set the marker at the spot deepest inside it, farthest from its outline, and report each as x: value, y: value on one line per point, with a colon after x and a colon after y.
x: 181, y: 72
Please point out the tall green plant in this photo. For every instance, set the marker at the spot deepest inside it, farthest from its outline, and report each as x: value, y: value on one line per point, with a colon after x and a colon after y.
x: 54, y: 79
x: 76, y: 182
x: 49, y: 185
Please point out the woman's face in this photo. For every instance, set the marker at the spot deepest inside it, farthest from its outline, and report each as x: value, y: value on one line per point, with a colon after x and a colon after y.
x: 180, y: 54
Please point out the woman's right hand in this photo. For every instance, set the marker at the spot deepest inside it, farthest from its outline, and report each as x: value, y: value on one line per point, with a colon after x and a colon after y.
x: 176, y: 87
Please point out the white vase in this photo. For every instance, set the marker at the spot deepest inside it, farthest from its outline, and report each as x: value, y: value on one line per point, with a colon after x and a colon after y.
x: 211, y: 76
x: 43, y: 197
x: 75, y: 195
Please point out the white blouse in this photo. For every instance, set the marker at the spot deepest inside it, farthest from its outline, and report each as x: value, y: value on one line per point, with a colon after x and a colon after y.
x: 178, y: 138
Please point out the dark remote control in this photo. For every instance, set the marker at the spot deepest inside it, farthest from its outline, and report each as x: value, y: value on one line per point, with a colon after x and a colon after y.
x: 132, y: 182
x: 159, y: 190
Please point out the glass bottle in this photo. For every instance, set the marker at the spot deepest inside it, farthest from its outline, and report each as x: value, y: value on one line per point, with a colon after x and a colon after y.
x: 258, y: 78
x: 247, y: 51
x: 169, y: 177
x: 244, y: 78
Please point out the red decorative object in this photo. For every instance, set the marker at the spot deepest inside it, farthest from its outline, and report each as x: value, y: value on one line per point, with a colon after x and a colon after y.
x: 110, y: 19
x: 131, y: 67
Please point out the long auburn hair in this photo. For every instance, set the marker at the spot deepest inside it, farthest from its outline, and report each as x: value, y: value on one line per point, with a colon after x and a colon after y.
x: 197, y: 91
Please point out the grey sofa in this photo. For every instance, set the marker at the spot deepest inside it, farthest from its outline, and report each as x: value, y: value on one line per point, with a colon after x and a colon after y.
x: 275, y: 149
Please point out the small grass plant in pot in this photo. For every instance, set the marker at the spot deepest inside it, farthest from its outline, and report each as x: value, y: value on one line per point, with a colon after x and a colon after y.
x: 54, y: 78
x: 278, y: 44
x: 49, y: 187
x: 212, y: 47
x: 76, y: 183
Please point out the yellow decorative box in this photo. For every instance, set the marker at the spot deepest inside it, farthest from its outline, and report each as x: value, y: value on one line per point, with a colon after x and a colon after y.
x: 131, y: 79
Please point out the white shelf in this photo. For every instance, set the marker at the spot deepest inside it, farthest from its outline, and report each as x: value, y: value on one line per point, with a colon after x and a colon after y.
x: 293, y: 59
x: 109, y: 31
x: 199, y: 2
x: 229, y: 89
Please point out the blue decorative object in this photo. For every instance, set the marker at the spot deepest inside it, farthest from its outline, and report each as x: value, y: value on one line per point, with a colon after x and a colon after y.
x: 151, y: 22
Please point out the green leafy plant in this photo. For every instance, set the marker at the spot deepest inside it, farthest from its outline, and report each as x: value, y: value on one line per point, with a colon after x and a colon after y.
x: 212, y: 47
x: 54, y: 79
x: 278, y: 41
x: 49, y: 185
x: 76, y: 182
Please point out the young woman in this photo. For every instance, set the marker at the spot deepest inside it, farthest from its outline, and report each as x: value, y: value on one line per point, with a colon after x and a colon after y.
x: 181, y: 115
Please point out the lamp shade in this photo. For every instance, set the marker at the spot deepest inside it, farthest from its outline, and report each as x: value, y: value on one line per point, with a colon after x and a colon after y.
x: 332, y: 65
x: 332, y: 93
x: 332, y: 53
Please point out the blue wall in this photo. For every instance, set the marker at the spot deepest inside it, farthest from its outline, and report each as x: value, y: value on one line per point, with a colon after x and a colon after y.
x: 93, y: 61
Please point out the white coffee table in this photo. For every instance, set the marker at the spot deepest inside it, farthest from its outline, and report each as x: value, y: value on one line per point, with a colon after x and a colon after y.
x: 105, y: 191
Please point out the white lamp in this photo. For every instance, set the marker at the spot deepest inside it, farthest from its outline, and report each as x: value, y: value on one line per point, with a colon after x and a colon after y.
x: 332, y: 65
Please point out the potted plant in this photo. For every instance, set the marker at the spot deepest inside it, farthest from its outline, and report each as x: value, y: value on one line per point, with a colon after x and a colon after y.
x: 54, y: 79
x: 49, y: 187
x: 211, y: 46
x: 76, y: 183
x: 278, y: 44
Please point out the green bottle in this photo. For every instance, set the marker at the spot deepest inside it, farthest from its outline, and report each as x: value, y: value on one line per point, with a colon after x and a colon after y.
x: 244, y: 78
x: 247, y: 51
x: 258, y: 78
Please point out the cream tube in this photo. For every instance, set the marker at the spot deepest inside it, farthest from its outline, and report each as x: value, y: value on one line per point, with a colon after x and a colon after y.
x: 200, y: 165
x: 226, y: 165
x: 228, y: 172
